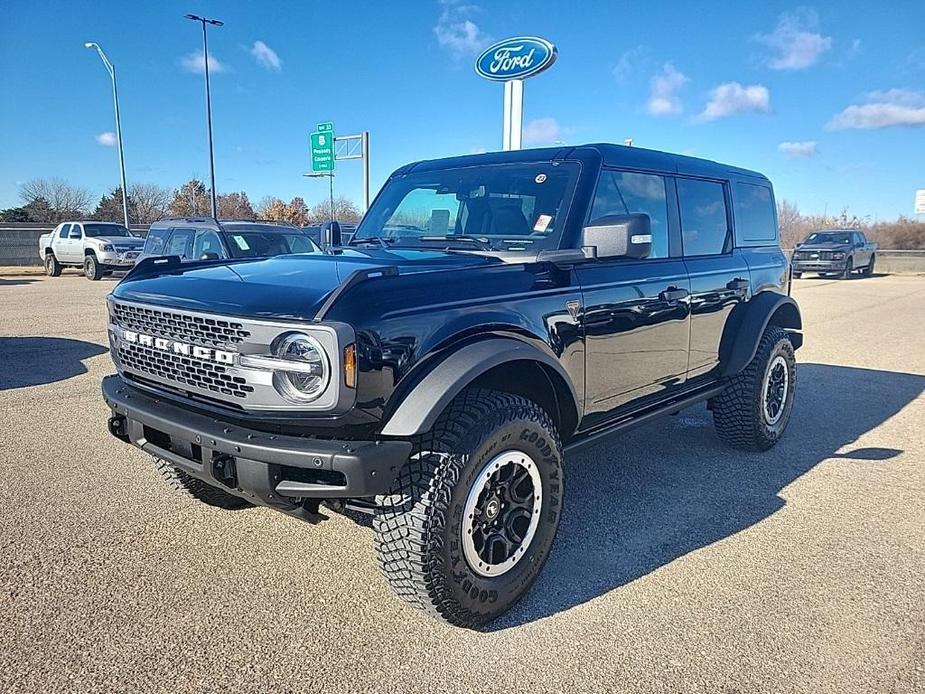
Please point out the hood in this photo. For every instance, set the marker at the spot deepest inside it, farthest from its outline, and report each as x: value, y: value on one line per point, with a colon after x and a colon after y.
x: 119, y: 240
x: 824, y: 246
x: 284, y: 287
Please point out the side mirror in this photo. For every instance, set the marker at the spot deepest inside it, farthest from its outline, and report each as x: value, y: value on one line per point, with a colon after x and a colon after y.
x: 330, y: 235
x: 209, y: 255
x: 74, y: 234
x: 619, y: 236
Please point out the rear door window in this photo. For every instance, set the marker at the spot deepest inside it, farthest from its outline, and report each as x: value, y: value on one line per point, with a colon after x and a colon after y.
x: 156, y: 241
x: 704, y: 222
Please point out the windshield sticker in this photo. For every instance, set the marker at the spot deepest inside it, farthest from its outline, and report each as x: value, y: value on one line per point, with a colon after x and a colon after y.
x: 542, y: 222
x: 242, y: 244
x: 540, y: 178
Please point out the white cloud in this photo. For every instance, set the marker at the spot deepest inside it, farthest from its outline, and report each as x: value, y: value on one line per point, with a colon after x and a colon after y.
x: 731, y: 98
x: 883, y: 109
x: 630, y: 64
x: 798, y: 150
x: 663, y: 97
x: 106, y: 139
x: 457, y: 32
x: 542, y: 131
x: 795, y: 42
x: 265, y: 56
x: 193, y: 62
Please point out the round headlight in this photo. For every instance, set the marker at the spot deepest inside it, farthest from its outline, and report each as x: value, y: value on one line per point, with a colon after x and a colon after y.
x: 310, y: 371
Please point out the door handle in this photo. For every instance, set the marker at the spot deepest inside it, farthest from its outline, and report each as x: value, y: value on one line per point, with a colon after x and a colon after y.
x: 673, y: 294
x: 738, y: 284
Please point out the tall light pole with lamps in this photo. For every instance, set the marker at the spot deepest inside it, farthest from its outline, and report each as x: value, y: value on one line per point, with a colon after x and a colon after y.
x: 205, y: 60
x: 115, y: 98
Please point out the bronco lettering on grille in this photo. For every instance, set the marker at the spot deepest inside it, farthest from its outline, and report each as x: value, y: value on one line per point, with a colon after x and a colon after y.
x: 181, y: 348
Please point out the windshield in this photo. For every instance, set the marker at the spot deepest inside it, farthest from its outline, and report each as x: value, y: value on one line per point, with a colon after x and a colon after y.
x: 94, y: 230
x: 256, y: 241
x: 828, y: 237
x: 494, y: 207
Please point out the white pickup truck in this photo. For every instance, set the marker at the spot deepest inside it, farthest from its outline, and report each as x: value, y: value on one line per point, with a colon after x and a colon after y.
x: 100, y: 248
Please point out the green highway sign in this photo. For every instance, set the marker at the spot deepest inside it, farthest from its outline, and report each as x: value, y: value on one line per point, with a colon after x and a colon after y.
x: 322, y: 146
x: 325, y: 127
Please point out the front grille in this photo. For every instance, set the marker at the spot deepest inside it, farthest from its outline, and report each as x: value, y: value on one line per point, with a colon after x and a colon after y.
x: 183, y: 327
x: 183, y: 370
x: 819, y: 255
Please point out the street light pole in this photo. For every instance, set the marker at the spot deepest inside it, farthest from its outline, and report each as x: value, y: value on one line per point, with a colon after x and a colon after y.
x: 115, y: 98
x: 205, y: 60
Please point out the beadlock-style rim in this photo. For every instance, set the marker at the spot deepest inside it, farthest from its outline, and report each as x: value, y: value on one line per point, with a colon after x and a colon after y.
x: 502, y: 513
x: 774, y: 392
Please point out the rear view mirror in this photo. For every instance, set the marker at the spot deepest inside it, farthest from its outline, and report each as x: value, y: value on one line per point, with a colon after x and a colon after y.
x: 619, y: 236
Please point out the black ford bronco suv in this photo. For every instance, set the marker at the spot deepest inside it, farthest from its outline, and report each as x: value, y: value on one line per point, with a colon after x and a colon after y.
x: 491, y: 314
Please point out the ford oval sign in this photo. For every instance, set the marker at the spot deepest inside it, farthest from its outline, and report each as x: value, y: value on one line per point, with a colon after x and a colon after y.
x: 516, y: 59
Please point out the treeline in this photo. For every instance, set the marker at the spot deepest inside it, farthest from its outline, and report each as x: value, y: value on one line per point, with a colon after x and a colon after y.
x: 54, y: 200
x: 902, y: 233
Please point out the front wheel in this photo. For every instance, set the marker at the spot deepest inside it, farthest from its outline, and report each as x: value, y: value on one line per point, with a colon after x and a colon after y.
x: 470, y: 521
x: 92, y: 268
x: 849, y: 268
x: 52, y: 266
x: 754, y: 409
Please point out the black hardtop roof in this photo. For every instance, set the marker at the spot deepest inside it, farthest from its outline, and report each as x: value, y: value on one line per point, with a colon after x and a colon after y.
x: 214, y: 224
x: 608, y: 154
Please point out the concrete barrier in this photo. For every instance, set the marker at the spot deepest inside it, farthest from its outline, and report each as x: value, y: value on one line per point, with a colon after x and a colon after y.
x: 19, y: 242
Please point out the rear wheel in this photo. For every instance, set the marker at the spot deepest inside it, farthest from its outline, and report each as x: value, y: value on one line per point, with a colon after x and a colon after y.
x: 92, y: 269
x: 869, y: 270
x: 849, y: 268
x: 52, y: 266
x: 197, y: 489
x: 471, y: 519
x: 754, y: 409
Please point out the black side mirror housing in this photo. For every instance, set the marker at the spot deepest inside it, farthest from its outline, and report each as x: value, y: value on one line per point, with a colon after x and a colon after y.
x: 619, y: 236
x: 330, y: 235
x: 209, y: 255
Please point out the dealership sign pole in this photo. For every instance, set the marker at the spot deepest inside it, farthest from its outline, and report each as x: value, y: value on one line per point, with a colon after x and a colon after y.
x: 512, y: 61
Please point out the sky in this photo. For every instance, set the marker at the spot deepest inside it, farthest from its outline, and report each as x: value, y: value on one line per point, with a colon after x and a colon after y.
x: 826, y: 99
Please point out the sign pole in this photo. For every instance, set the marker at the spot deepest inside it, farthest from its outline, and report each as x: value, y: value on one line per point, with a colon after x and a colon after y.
x: 365, y: 171
x: 506, y: 118
x: 517, y: 113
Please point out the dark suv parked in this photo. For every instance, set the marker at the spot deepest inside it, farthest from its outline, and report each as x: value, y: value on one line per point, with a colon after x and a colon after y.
x: 197, y: 238
x: 491, y: 314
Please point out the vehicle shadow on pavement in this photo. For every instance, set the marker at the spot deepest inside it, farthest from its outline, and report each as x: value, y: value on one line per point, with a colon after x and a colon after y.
x: 32, y: 361
x: 15, y: 282
x: 646, y: 498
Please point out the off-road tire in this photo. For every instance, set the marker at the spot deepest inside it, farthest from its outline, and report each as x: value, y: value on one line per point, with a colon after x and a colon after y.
x: 92, y: 268
x: 738, y: 411
x: 52, y: 267
x: 869, y: 270
x: 197, y: 489
x: 418, y: 526
x: 849, y: 268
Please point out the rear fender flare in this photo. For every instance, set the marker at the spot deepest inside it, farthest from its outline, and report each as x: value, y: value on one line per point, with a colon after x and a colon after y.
x: 747, y: 324
x: 420, y: 408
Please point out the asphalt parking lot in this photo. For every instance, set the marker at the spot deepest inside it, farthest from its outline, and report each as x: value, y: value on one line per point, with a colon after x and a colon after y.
x: 680, y: 565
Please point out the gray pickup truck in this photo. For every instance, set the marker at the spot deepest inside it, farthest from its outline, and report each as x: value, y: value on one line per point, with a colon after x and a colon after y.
x: 100, y: 248
x: 839, y: 252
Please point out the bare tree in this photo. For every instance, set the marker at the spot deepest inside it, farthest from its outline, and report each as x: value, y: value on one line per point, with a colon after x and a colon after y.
x: 150, y: 202
x: 63, y: 200
x: 344, y: 211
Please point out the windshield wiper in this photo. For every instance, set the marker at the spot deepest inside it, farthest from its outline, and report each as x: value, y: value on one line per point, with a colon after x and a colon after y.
x: 482, y: 244
x: 381, y: 241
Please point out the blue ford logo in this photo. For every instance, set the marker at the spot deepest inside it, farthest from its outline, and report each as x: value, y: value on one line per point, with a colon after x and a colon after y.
x: 516, y: 59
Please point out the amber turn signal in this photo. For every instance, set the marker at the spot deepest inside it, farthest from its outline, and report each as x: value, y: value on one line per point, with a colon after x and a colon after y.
x: 350, y: 366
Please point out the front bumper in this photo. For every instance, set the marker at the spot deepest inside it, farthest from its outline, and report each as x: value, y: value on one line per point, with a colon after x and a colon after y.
x: 268, y: 469
x: 124, y: 260
x: 818, y: 265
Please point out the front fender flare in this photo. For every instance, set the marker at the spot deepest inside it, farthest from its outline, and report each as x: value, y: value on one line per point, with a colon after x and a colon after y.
x: 420, y: 408
x: 747, y: 324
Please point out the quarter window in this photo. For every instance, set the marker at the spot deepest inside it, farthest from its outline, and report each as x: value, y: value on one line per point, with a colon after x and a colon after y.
x: 754, y: 210
x: 704, y: 225
x: 621, y: 192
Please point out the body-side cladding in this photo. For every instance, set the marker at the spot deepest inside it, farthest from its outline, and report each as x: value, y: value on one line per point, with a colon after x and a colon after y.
x: 747, y: 323
x: 420, y: 408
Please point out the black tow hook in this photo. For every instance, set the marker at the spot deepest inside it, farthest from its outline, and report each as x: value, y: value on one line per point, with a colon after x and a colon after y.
x: 118, y: 427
